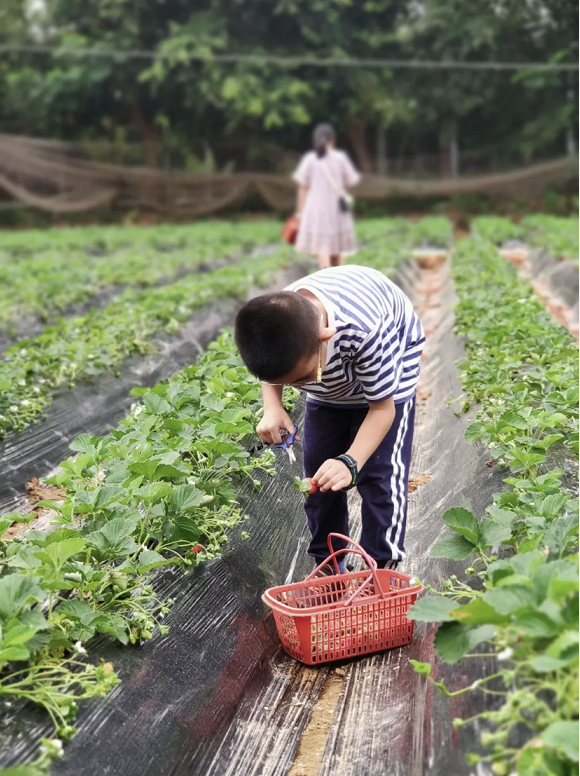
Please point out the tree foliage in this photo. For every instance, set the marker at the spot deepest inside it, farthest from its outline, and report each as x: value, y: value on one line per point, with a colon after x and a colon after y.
x: 183, y: 104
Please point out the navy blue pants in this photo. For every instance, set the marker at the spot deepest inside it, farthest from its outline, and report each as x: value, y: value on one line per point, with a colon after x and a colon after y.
x: 382, y: 482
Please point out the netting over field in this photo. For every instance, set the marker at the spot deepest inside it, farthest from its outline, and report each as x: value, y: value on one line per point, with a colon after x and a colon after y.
x: 59, y: 178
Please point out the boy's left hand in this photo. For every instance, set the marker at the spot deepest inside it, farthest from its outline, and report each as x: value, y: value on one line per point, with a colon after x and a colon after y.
x: 332, y: 475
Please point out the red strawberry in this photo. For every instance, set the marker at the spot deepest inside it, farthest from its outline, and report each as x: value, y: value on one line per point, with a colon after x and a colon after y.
x: 196, y: 549
x: 313, y: 487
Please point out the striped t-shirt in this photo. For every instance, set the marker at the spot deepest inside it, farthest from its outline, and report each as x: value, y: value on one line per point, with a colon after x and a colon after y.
x: 376, y: 351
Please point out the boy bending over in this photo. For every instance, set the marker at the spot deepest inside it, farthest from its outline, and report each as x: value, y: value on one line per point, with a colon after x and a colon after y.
x: 350, y: 339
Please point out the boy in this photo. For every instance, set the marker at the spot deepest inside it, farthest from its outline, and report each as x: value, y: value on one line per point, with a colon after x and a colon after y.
x: 350, y: 339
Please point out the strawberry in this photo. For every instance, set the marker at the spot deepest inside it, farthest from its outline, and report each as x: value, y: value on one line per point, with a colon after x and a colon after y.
x: 312, y: 486
x: 197, y: 548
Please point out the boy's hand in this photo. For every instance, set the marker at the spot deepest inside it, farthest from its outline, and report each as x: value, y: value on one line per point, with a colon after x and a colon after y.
x: 273, y: 420
x: 332, y: 475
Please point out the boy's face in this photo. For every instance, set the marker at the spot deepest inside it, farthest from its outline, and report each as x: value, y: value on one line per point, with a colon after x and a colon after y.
x: 305, y: 371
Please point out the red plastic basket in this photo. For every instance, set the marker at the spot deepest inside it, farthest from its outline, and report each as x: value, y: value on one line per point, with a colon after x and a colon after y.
x: 327, y: 618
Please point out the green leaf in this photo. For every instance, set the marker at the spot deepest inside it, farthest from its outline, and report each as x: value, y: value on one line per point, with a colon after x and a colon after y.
x: 185, y: 497
x: 114, y: 538
x: 501, y: 516
x: 421, y: 668
x: 171, y: 472
x: 78, y: 464
x: 565, y: 647
x: 524, y: 460
x: 550, y: 439
x: 451, y: 641
x: 474, y: 432
x: 212, y: 402
x: 563, y: 736
x: 24, y: 770
x: 510, y: 598
x: 25, y: 558
x: 493, y: 533
x: 530, y: 544
x: 16, y: 591
x: 181, y: 529
x: 536, y: 624
x: 149, y: 559
x: 109, y: 494
x: 83, y: 444
x: 454, y: 640
x: 154, y: 492
x: 558, y: 532
x: 432, y: 609
x: 85, y: 500
x: 17, y: 636
x: 12, y: 653
x: 34, y: 618
x: 560, y: 589
x: 513, y: 418
x: 113, y: 626
x: 156, y: 405
x: 77, y: 609
x: 478, y: 612
x: 462, y: 522
x: 544, y: 664
x: 553, y: 505
x: 57, y: 553
x: 454, y: 547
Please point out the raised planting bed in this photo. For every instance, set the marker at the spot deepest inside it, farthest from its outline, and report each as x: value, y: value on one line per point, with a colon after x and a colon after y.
x: 519, y: 594
x: 554, y: 279
x: 41, y: 285
x: 559, y: 236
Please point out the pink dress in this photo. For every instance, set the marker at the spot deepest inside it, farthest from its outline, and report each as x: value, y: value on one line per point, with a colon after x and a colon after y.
x: 324, y: 227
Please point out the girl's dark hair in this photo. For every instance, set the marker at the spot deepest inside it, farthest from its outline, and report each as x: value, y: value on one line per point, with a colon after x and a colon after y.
x: 274, y: 332
x: 321, y: 136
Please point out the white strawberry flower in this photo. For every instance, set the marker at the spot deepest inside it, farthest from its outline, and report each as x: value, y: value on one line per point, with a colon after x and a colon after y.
x: 505, y: 654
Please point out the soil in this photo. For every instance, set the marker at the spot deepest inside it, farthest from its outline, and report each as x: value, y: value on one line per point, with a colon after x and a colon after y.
x: 423, y: 394
x: 417, y: 482
x: 313, y: 743
x: 36, y: 491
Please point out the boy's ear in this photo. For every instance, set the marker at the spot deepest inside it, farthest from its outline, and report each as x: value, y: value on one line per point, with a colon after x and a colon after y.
x: 326, y: 333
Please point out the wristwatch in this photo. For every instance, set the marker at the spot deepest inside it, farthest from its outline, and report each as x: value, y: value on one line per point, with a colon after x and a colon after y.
x: 352, y: 465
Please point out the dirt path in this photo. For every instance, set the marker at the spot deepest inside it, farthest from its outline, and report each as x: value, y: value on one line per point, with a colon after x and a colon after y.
x: 313, y: 743
x: 315, y: 740
x: 561, y: 313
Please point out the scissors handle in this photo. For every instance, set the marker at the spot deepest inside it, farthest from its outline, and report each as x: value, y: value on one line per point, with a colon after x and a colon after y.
x: 287, y: 439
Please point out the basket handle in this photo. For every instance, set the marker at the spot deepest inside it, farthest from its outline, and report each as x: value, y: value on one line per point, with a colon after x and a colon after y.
x: 358, y: 550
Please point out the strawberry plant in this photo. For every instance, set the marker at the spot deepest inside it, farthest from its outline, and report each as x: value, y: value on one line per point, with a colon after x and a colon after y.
x: 82, y: 347
x: 559, y: 236
x: 520, y: 595
x: 432, y: 230
x: 47, y: 280
x: 158, y: 491
x: 496, y: 229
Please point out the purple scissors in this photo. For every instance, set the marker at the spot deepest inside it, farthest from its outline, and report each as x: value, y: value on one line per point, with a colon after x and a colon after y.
x: 287, y: 442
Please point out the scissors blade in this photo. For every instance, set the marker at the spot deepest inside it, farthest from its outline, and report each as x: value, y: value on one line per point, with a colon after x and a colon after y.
x: 291, y: 455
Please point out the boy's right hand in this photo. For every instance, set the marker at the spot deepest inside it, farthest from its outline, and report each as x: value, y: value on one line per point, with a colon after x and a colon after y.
x: 273, y: 420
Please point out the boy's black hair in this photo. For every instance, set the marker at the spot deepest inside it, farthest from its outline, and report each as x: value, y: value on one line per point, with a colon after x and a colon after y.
x: 274, y: 331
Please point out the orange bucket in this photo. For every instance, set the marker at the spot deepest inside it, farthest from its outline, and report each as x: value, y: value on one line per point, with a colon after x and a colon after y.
x: 327, y: 618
